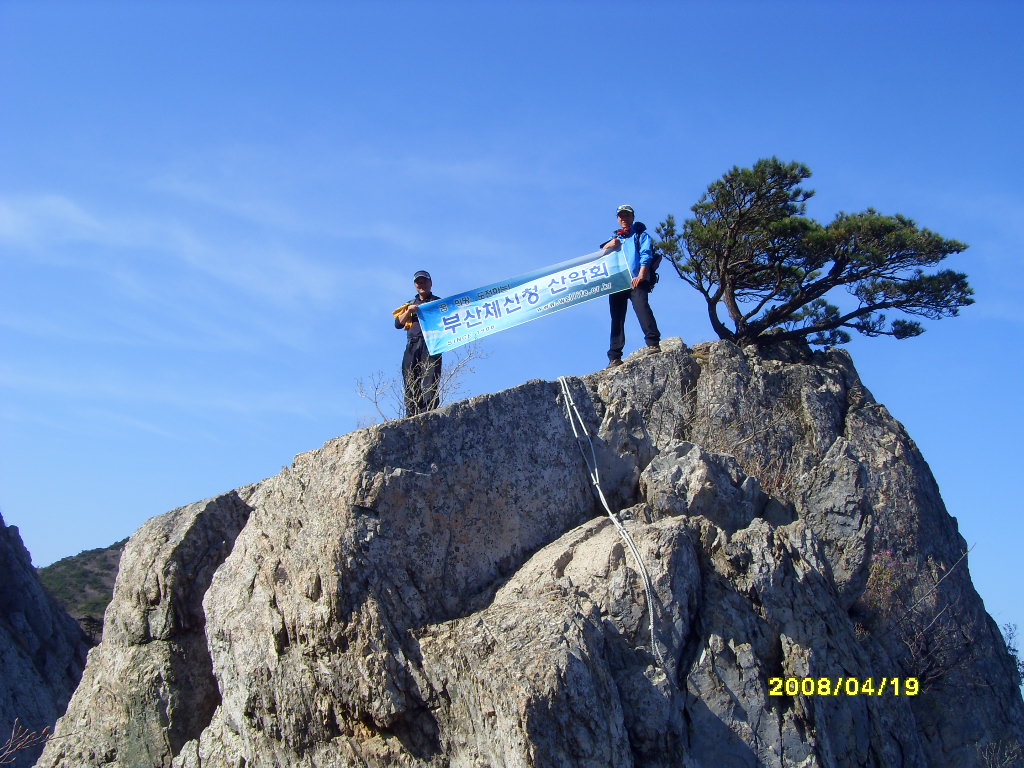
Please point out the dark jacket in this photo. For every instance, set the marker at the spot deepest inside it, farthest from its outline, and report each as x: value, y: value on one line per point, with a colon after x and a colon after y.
x: 414, y: 331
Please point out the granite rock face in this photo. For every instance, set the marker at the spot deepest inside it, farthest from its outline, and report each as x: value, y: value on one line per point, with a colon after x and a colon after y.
x: 42, y: 649
x: 148, y: 687
x: 446, y: 591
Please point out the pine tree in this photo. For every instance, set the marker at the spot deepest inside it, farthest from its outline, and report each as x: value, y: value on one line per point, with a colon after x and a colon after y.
x: 749, y: 248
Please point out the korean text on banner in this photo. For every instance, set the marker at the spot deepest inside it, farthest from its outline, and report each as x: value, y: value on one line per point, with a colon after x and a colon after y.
x: 465, y: 317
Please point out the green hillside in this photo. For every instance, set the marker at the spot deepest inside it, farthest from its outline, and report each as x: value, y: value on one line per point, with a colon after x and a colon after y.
x: 83, y: 584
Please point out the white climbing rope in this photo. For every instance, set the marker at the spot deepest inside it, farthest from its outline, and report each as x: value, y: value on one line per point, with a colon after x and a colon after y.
x: 579, y: 432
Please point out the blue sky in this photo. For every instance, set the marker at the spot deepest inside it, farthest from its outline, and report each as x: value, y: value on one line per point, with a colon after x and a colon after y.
x: 207, y: 212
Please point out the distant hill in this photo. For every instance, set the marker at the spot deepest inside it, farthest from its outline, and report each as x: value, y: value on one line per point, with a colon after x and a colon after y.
x: 84, y: 583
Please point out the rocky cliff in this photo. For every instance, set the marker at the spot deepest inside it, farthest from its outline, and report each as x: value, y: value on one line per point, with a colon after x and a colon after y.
x: 445, y: 591
x: 42, y: 649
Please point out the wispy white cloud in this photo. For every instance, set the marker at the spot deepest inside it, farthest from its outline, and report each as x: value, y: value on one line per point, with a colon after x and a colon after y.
x: 22, y: 415
x: 116, y: 419
x: 238, y: 199
x: 116, y: 387
x: 260, y: 270
x: 468, y: 170
x: 289, y: 221
x: 43, y: 220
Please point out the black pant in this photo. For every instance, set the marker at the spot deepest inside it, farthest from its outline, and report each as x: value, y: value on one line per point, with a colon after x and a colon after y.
x: 618, y: 302
x: 421, y: 373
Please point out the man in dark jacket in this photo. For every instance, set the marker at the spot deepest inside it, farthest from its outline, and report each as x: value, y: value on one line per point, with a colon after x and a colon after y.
x: 637, y: 248
x: 421, y: 371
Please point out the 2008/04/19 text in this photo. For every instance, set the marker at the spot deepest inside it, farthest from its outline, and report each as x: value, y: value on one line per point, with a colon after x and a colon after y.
x: 843, y: 686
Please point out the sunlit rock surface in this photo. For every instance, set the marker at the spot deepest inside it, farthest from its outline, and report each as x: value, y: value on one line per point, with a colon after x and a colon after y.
x: 446, y: 591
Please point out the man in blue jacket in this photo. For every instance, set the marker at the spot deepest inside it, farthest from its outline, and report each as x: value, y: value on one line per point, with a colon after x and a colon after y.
x: 637, y: 248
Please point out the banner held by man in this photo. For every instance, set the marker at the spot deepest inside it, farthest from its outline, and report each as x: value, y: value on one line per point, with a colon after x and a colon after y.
x: 466, y: 317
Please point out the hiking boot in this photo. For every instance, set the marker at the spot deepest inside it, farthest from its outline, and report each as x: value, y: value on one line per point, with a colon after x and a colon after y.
x: 652, y: 349
x: 613, y: 363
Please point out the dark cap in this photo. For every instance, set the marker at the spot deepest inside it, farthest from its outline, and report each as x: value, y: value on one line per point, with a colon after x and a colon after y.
x: 626, y: 209
x: 422, y: 273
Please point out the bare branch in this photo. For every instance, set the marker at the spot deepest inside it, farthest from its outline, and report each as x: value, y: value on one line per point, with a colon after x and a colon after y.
x: 20, y: 739
x: 387, y: 393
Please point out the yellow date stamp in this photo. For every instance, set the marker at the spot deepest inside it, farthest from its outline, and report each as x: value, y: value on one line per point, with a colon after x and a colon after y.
x: 843, y: 686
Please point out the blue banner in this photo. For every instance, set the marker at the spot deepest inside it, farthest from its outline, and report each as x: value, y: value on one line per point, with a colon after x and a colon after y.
x: 465, y: 317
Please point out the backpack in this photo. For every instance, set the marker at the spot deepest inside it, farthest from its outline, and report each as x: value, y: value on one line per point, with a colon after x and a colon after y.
x: 638, y: 229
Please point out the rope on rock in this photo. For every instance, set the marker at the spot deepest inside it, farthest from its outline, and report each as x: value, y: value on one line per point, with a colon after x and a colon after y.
x: 579, y: 431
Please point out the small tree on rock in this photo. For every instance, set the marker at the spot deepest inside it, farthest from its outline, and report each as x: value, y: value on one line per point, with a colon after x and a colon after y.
x: 749, y: 248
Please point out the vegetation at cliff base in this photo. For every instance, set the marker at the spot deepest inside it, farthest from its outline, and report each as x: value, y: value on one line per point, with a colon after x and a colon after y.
x: 748, y: 248
x: 84, y: 583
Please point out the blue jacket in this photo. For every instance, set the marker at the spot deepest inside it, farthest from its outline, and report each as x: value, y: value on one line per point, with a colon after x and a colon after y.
x: 629, y: 250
